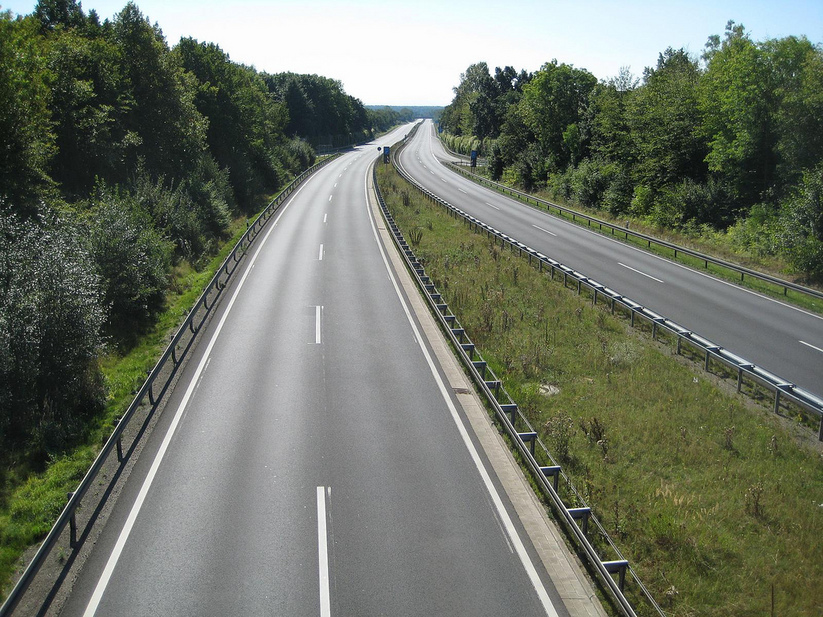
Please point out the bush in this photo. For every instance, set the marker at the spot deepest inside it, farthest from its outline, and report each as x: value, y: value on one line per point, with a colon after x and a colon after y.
x: 50, y: 323
x: 802, y: 226
x: 134, y: 261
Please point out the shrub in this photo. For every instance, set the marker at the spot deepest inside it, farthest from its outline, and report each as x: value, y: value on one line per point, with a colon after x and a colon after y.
x: 50, y: 322
x: 133, y: 260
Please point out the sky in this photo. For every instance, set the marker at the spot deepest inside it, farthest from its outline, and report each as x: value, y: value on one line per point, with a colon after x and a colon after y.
x: 412, y: 52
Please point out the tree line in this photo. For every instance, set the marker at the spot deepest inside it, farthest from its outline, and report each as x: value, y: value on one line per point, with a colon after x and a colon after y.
x: 727, y: 142
x: 120, y: 158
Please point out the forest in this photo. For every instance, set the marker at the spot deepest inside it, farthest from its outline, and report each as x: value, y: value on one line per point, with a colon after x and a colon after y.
x: 728, y: 144
x: 122, y: 161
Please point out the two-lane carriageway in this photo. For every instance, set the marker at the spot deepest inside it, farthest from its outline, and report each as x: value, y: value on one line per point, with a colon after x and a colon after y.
x: 311, y: 460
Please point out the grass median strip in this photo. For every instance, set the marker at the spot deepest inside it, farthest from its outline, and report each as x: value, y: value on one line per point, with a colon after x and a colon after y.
x: 716, y: 502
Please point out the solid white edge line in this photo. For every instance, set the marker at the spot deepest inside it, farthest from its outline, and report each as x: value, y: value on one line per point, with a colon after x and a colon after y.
x: 531, y: 571
x: 639, y: 272
x: 108, y: 570
x: 810, y: 345
x: 323, y: 554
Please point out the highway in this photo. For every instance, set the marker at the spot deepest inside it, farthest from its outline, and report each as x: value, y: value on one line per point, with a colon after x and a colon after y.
x: 784, y: 340
x: 311, y: 461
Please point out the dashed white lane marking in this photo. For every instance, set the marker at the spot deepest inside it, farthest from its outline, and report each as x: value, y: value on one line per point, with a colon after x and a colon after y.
x: 812, y: 346
x: 320, y: 254
x: 492, y: 206
x: 323, y: 553
x: 639, y: 272
x: 545, y: 231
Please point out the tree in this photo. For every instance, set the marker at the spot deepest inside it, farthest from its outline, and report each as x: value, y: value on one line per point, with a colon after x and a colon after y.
x: 133, y: 260
x: 169, y: 132
x: 664, y: 121
x: 50, y: 321
x: 26, y: 138
x: 553, y: 106
x: 802, y: 224
x: 245, y: 124
x: 796, y: 68
x: 737, y: 105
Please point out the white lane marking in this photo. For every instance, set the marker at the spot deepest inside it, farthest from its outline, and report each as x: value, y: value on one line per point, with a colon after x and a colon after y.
x: 323, y: 554
x: 317, y: 312
x: 320, y: 255
x: 492, y: 206
x: 703, y: 274
x: 443, y: 179
x: 639, y: 272
x: 531, y: 571
x: 812, y: 346
x: 335, y: 185
x: 330, y: 196
x: 545, y: 231
x: 105, y: 577
x: 325, y: 217
x: 462, y: 191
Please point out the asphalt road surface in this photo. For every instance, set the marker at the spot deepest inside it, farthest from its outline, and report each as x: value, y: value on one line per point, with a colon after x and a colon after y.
x: 310, y: 462
x: 782, y: 339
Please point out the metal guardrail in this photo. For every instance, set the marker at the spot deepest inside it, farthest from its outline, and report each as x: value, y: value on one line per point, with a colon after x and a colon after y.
x: 154, y: 389
x: 617, y: 229
x: 783, y: 389
x: 546, y: 472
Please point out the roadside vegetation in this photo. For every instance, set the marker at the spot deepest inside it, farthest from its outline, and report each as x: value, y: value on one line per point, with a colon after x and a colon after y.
x: 716, y: 501
x: 720, y: 149
x: 127, y: 168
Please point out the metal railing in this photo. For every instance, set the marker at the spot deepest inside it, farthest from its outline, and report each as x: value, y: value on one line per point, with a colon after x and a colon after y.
x: 617, y: 230
x: 154, y: 389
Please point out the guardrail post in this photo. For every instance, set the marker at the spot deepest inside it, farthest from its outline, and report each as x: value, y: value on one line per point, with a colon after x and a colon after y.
x: 119, y: 443
x: 740, y: 374
x: 510, y: 409
x: 617, y: 567
x: 581, y: 514
x: 552, y: 471
x: 72, y: 525
x: 529, y: 437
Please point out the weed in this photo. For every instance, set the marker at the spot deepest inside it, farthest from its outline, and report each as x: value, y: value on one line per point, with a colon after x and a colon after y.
x: 753, y: 498
x: 415, y: 236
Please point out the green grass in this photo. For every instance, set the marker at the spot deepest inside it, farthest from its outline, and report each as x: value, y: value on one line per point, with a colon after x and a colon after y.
x: 31, y: 502
x: 711, y: 498
x: 712, y: 245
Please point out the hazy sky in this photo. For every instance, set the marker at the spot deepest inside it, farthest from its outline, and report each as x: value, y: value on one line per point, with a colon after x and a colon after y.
x: 412, y: 52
